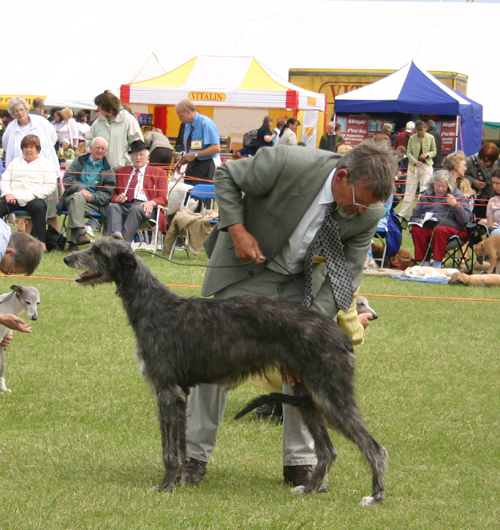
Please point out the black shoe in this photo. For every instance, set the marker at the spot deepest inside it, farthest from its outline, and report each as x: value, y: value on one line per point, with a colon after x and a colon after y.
x: 300, y: 476
x: 271, y: 411
x: 195, y: 471
x: 72, y: 248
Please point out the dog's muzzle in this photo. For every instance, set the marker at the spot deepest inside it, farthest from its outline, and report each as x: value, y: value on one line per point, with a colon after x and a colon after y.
x: 88, y: 276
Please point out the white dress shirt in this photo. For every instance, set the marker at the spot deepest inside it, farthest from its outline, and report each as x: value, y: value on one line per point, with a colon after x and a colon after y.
x: 139, y: 194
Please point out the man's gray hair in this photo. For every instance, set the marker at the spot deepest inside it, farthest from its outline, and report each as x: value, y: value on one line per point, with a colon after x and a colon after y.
x: 28, y: 251
x: 373, y: 164
x: 98, y: 138
x: 38, y: 102
x: 442, y: 176
x: 15, y: 101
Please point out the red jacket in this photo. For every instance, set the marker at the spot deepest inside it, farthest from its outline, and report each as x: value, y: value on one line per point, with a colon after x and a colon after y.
x: 155, y: 187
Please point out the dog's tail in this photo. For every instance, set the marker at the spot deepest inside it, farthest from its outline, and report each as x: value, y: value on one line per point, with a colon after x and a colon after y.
x: 274, y: 397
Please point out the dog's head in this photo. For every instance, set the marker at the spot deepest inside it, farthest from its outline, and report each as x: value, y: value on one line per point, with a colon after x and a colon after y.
x: 29, y: 297
x: 402, y: 260
x: 362, y: 306
x: 106, y: 260
x: 479, y: 249
x: 460, y: 278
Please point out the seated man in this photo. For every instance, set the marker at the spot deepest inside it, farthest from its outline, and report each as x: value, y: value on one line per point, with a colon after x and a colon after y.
x: 140, y: 188
x: 89, y: 183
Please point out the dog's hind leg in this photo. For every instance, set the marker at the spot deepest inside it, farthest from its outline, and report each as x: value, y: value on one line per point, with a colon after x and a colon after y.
x: 350, y: 424
x: 325, y: 450
x: 3, y: 387
x: 172, y: 415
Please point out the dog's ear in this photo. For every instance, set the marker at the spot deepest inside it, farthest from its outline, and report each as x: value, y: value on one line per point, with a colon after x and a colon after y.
x: 127, y: 261
x: 17, y: 288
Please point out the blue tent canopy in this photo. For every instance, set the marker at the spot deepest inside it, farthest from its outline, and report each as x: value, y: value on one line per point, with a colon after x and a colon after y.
x: 413, y: 91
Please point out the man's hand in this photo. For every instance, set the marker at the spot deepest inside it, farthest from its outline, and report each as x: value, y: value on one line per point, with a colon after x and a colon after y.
x: 148, y: 207
x: 478, y: 184
x: 188, y: 157
x: 10, y: 199
x: 7, y: 340
x: 86, y: 194
x: 364, y: 319
x: 290, y: 377
x: 14, y: 322
x: 121, y: 198
x: 245, y: 245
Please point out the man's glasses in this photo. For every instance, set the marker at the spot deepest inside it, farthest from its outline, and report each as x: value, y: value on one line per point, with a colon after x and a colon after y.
x: 365, y: 206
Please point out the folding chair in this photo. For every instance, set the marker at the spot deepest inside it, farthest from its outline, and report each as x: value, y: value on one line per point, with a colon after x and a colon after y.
x: 20, y: 214
x: 379, y: 236
x: 92, y: 215
x: 389, y: 235
x: 200, y: 192
x: 461, y: 252
x: 153, y: 225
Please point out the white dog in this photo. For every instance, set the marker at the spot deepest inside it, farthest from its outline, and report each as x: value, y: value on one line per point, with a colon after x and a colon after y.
x: 19, y: 300
x: 425, y: 273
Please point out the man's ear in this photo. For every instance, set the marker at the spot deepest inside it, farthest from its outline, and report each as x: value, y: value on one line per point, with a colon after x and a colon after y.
x: 10, y: 250
x: 341, y: 174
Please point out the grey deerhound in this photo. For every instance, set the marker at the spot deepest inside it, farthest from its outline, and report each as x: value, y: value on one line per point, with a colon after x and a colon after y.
x: 182, y: 342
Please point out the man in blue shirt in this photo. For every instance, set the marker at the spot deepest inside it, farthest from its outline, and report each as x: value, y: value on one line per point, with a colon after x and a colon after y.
x: 201, y: 143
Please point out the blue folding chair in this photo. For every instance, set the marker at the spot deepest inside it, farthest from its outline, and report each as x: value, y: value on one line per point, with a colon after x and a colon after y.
x: 92, y: 215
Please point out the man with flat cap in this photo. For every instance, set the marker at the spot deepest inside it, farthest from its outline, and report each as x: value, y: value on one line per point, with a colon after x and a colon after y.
x: 140, y: 188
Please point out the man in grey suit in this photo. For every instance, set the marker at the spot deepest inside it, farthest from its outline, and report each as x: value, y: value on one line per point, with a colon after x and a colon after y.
x: 271, y: 208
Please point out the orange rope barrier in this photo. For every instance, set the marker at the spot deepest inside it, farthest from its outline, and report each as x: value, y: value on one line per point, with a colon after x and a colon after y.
x: 431, y: 297
x: 362, y: 294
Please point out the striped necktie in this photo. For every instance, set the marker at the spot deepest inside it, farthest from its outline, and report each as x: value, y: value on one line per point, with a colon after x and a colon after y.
x: 132, y: 186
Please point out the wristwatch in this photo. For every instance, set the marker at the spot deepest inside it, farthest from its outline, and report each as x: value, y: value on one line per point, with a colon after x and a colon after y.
x: 196, y: 155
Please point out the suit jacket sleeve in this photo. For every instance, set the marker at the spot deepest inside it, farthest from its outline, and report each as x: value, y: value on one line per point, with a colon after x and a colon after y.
x: 158, y: 190
x: 432, y: 152
x: 255, y: 176
x: 122, y: 176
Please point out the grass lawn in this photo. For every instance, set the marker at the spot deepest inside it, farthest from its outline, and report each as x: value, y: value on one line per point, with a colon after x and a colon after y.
x: 80, y: 443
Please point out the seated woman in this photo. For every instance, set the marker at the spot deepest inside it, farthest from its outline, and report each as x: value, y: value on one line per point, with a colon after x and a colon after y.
x: 451, y: 212
x: 456, y: 166
x: 26, y: 184
x: 493, y: 209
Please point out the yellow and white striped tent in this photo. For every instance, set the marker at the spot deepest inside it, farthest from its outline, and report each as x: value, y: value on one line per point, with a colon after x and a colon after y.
x: 236, y: 92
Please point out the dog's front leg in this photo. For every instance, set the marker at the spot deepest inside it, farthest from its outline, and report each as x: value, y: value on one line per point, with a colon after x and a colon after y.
x: 172, y: 415
x: 3, y: 386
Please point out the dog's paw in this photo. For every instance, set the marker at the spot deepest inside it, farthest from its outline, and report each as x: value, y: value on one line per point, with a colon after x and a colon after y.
x: 370, y: 501
x: 298, y: 490
x: 3, y: 388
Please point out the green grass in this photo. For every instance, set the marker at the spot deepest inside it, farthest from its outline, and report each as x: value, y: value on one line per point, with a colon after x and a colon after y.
x: 80, y: 443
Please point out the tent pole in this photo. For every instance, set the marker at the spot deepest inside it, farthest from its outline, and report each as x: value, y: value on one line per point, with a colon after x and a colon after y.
x: 456, y: 135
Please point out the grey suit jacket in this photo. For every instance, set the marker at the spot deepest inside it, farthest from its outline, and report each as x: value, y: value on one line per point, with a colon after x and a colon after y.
x: 269, y: 194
